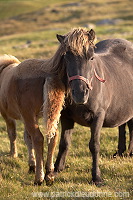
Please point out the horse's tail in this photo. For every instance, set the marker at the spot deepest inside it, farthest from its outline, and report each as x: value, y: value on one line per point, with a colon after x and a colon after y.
x: 7, y: 60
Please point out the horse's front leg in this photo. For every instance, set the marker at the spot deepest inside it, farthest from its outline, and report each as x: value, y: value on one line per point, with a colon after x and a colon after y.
x: 130, y: 148
x: 49, y: 176
x: 94, y: 146
x: 67, y: 125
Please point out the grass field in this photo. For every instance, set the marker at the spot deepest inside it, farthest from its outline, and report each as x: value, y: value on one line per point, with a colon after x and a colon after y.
x: 38, y: 22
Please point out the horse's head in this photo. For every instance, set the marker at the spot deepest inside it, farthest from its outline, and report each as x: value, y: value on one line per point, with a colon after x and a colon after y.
x: 78, y: 56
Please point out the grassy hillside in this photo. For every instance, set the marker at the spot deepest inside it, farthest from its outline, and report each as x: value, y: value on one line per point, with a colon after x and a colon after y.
x: 38, y: 21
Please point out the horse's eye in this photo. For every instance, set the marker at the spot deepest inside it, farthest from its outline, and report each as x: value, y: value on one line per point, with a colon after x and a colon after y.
x: 92, y: 58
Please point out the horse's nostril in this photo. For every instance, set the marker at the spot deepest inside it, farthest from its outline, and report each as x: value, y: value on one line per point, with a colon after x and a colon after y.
x: 86, y: 92
x: 73, y: 92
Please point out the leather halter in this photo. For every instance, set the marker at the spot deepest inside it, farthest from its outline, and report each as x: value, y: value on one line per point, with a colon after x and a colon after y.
x: 89, y: 83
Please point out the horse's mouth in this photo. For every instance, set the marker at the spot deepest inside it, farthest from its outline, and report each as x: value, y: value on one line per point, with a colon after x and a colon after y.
x: 80, y: 100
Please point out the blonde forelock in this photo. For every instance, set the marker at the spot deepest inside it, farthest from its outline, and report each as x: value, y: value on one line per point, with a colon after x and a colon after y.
x: 77, y: 41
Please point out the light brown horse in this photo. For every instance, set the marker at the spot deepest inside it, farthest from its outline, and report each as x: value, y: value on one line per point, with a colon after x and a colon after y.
x: 22, y: 98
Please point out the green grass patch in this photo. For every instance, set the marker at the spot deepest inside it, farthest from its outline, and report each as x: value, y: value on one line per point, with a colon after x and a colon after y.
x: 16, y: 183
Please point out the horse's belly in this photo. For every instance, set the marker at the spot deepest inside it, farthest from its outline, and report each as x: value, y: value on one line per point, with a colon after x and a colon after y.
x: 117, y: 119
x: 113, y: 118
x: 10, y: 111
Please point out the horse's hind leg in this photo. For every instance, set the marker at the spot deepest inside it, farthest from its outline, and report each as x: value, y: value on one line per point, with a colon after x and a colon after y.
x: 121, y: 140
x: 130, y: 148
x: 11, y: 129
x: 31, y: 154
x: 67, y: 128
x: 38, y: 141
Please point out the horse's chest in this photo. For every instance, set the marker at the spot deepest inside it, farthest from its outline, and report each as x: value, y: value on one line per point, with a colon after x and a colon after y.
x: 81, y: 115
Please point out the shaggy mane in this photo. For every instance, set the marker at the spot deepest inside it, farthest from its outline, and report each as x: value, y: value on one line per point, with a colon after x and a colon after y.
x: 52, y: 64
x: 77, y: 41
x: 54, y: 96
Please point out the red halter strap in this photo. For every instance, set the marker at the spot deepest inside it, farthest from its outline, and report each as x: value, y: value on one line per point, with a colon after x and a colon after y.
x: 98, y: 77
x: 83, y: 79
x: 89, y: 83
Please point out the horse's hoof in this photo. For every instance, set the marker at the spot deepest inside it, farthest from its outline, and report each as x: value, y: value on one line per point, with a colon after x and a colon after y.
x: 131, y: 154
x: 31, y: 169
x: 13, y: 155
x: 115, y: 155
x: 118, y: 154
x: 38, y: 183
x: 49, y: 180
x: 98, y: 182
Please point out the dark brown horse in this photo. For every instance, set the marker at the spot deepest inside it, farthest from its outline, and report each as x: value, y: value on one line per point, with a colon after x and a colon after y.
x: 101, y: 89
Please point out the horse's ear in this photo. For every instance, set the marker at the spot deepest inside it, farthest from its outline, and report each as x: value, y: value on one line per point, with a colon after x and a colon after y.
x: 60, y: 38
x: 91, y: 35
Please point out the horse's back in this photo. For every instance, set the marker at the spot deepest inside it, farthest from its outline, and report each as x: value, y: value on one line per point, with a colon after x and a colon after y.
x: 111, y: 45
x: 30, y: 68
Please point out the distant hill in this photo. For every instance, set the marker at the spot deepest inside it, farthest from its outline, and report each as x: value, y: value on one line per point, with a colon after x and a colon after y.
x: 108, y: 17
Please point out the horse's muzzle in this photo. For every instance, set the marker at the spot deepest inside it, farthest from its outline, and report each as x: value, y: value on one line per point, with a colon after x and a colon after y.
x: 80, y: 97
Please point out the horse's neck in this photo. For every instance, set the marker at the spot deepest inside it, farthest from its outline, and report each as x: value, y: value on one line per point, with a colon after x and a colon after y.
x: 99, y: 67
